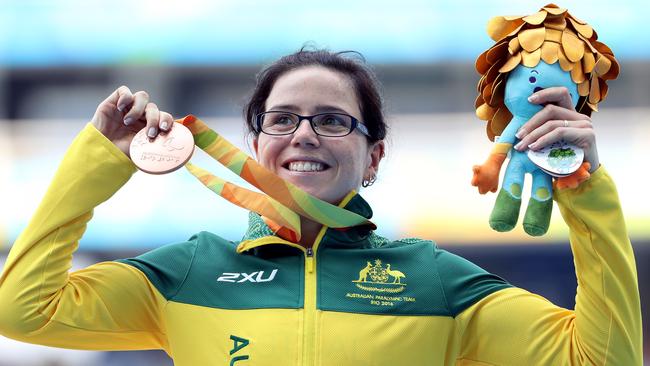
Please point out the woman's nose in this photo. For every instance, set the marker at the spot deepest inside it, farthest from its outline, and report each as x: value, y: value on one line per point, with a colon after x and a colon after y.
x: 305, y: 134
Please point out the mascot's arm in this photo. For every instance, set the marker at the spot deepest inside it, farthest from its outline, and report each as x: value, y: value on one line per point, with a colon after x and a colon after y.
x: 486, y: 176
x: 516, y: 327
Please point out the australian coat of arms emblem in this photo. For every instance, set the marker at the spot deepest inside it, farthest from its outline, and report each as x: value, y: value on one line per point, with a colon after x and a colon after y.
x: 378, y: 278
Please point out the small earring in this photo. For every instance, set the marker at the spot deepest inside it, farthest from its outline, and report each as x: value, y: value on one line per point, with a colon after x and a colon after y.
x: 368, y: 182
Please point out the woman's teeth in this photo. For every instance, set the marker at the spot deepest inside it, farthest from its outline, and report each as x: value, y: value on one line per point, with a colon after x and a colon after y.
x: 305, y: 166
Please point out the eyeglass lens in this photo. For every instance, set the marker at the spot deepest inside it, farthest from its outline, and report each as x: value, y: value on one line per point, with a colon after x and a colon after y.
x: 329, y: 124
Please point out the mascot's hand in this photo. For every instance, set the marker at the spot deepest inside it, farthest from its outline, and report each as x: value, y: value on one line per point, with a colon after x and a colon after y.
x: 486, y: 176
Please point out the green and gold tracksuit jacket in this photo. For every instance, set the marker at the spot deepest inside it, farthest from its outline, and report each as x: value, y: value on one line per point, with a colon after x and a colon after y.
x: 353, y: 299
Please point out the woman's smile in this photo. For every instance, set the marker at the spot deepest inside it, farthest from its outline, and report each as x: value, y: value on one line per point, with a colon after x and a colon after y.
x: 306, y: 166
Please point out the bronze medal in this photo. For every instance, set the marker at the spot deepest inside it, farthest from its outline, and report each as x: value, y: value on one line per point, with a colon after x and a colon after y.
x: 164, y: 154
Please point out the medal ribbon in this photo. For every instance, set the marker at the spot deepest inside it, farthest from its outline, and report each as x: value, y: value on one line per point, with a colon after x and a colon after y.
x: 283, y: 202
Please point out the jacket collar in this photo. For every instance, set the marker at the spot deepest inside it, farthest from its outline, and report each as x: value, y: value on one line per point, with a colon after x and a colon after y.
x: 259, y: 233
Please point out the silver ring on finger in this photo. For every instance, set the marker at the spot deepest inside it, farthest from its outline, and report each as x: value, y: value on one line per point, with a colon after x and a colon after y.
x: 566, y: 123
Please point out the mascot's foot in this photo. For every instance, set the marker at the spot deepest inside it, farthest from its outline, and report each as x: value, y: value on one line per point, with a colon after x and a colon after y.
x: 574, y: 180
x: 505, y: 212
x: 538, y: 217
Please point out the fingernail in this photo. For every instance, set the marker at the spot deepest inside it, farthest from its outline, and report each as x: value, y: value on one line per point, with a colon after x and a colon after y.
x: 518, y: 146
x: 532, y: 98
x: 151, y: 132
x: 532, y: 146
x: 519, y: 134
x: 121, y: 108
x: 163, y: 125
x: 128, y: 120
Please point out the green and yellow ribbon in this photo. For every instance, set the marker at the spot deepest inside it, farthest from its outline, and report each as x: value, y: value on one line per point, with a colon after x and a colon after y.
x: 283, y: 203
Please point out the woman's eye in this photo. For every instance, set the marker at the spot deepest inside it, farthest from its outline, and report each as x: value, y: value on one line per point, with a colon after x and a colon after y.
x: 284, y: 120
x: 330, y: 120
x: 532, y: 79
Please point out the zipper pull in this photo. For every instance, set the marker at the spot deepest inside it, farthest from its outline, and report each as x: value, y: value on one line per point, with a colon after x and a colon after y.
x: 309, y: 260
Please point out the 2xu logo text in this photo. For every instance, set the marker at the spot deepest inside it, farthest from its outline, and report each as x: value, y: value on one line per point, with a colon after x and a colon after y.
x: 257, y: 276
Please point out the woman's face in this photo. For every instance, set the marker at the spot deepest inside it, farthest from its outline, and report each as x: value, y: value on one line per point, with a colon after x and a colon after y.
x: 327, y: 167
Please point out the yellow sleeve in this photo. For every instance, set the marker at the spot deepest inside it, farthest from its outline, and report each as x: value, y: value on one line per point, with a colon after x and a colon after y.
x: 107, y: 306
x: 515, y: 327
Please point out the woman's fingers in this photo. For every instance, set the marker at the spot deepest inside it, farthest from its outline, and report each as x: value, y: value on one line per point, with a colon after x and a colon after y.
x: 152, y: 115
x: 140, y: 101
x: 558, y: 95
x: 558, y: 120
x: 576, y: 132
x: 123, y: 114
x: 166, y: 122
x: 124, y: 98
x: 157, y: 121
x: 549, y: 113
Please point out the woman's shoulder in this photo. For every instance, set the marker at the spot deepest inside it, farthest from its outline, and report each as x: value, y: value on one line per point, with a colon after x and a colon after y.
x: 168, y: 266
x: 463, y: 282
x: 378, y: 241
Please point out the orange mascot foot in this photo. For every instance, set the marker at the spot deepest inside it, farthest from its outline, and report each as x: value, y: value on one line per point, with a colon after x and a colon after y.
x: 574, y: 180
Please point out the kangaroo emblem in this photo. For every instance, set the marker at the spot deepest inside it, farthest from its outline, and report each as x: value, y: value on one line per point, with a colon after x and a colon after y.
x: 363, y: 274
x: 378, y: 275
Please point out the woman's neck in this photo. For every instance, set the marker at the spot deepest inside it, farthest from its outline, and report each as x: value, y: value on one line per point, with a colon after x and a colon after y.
x: 309, y: 231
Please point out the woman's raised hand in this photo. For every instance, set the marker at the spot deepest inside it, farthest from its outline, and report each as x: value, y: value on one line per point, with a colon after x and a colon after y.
x: 558, y: 120
x: 120, y: 116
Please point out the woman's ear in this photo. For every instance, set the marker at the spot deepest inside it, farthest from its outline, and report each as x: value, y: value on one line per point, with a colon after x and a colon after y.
x: 377, y: 152
x: 255, y: 146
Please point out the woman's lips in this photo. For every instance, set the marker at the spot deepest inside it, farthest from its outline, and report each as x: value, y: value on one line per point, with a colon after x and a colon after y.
x: 306, y: 166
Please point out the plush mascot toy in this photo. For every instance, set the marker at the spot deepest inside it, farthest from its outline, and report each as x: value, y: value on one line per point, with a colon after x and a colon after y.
x: 546, y: 49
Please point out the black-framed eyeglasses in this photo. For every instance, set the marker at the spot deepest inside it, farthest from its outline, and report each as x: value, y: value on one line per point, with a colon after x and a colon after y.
x: 324, y: 124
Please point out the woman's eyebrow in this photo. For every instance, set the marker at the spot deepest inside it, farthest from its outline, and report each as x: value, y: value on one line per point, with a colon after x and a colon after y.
x: 318, y: 109
x: 329, y: 108
x: 284, y: 107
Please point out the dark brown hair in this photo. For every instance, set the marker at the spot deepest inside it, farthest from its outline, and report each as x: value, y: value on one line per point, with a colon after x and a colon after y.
x: 350, y: 63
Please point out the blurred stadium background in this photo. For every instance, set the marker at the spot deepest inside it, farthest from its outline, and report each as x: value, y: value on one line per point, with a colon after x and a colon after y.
x: 58, y: 60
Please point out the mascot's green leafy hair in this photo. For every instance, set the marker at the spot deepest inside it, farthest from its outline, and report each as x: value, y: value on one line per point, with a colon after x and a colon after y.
x: 546, y: 49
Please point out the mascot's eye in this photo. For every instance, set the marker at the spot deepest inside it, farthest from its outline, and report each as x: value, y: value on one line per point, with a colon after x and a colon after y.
x: 532, y: 79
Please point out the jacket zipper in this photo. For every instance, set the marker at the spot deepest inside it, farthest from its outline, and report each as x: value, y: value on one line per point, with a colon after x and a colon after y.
x: 309, y: 260
x: 309, y: 294
x: 309, y: 322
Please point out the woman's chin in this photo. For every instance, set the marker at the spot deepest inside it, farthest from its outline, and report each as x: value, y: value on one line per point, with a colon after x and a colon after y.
x: 318, y: 185
x: 312, y: 189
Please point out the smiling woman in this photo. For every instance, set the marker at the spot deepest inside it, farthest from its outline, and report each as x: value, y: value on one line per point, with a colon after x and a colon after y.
x: 328, y: 167
x: 338, y: 295
x: 345, y: 159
